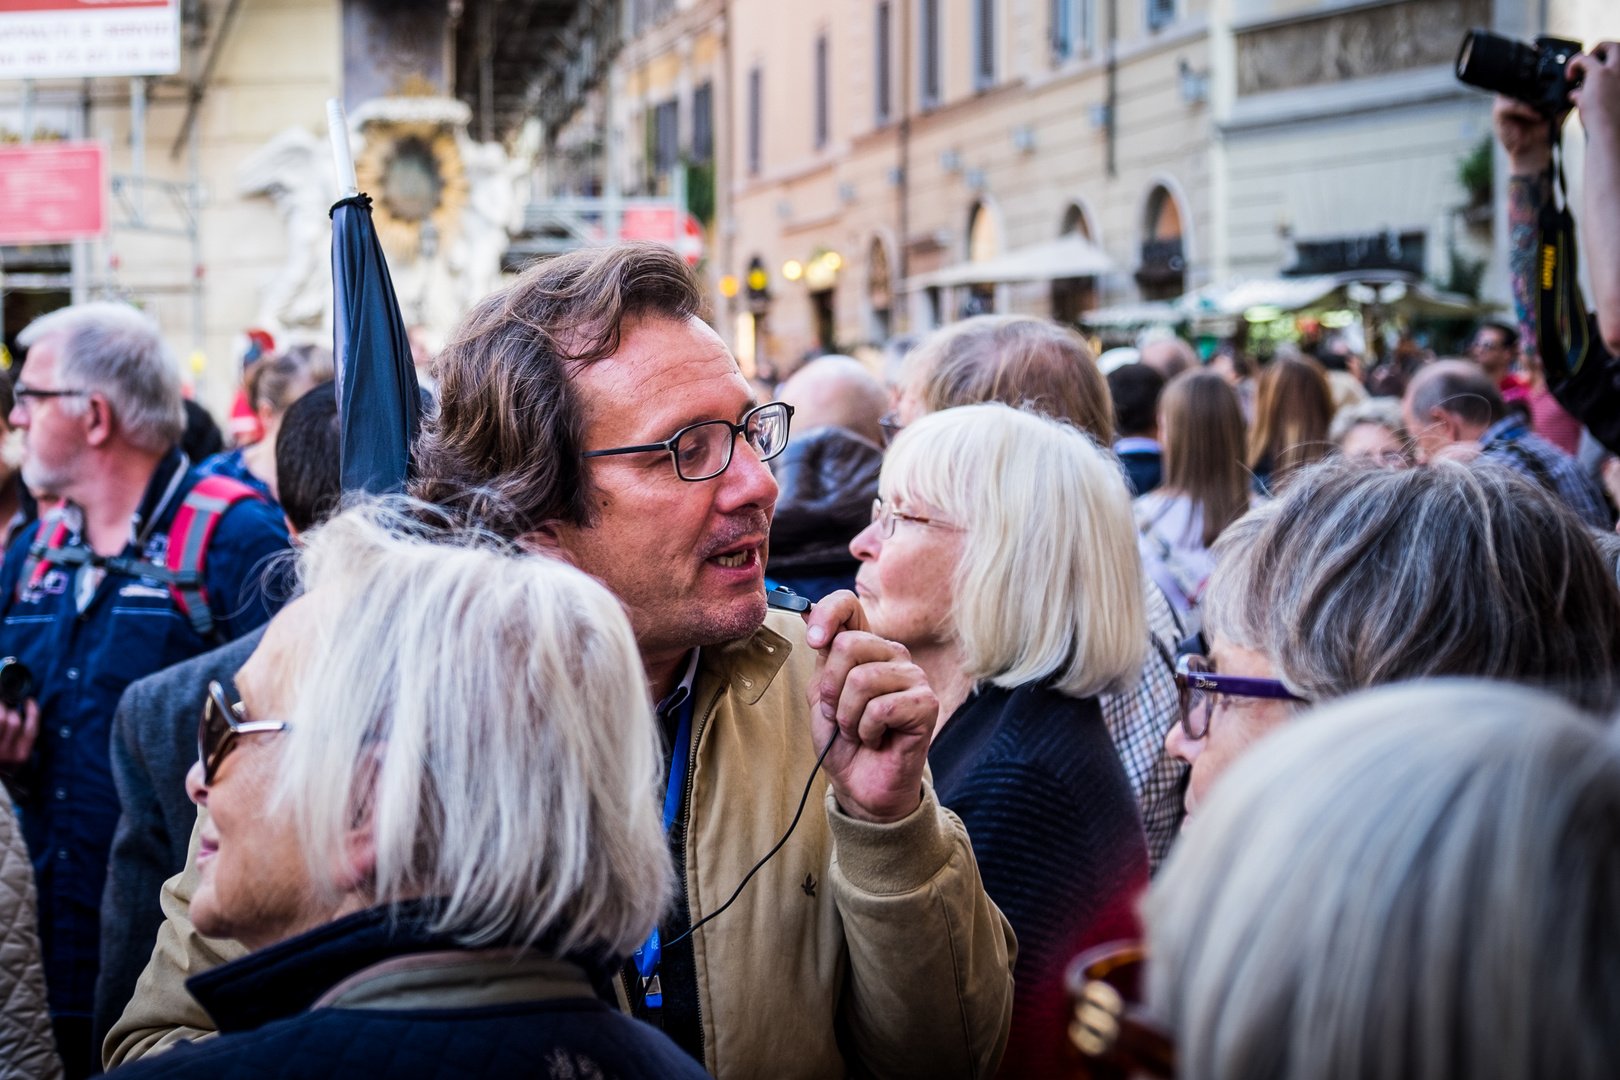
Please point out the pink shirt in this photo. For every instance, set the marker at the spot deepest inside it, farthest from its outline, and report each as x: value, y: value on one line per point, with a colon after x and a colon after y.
x: 1552, y: 423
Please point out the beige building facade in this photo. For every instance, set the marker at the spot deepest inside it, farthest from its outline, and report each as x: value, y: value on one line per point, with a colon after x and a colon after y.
x: 861, y: 147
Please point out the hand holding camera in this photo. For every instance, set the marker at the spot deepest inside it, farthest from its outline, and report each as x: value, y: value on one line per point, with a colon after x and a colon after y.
x: 19, y: 714
x: 1596, y: 81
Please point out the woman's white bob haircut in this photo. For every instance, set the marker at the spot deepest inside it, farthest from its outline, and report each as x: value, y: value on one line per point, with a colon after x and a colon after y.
x: 1417, y: 883
x: 487, y: 712
x: 1049, y: 586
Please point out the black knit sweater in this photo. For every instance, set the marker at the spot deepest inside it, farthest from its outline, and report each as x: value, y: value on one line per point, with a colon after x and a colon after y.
x: 1035, y: 778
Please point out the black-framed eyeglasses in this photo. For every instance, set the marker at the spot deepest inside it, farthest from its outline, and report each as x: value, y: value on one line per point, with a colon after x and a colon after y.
x: 702, y: 451
x: 221, y: 724
x: 884, y: 518
x: 24, y: 391
x: 889, y: 423
x: 1200, y: 686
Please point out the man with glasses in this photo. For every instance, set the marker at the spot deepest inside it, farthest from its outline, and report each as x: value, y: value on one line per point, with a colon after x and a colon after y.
x: 87, y: 607
x: 587, y: 411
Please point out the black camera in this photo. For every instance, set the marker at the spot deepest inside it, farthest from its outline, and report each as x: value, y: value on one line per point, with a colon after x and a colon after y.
x: 16, y: 682
x: 1534, y: 74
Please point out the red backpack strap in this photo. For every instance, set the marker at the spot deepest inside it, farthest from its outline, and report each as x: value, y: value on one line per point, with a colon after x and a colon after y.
x: 49, y: 540
x: 193, y: 528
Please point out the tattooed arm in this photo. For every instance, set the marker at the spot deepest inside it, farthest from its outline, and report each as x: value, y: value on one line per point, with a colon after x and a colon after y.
x: 1523, y: 134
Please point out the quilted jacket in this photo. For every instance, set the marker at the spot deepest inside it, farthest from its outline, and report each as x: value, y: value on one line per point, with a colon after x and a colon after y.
x: 859, y: 949
x: 363, y: 997
x: 27, y: 1048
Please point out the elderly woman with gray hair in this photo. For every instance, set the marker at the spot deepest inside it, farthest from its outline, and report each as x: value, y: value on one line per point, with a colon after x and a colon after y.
x: 433, y: 819
x: 1002, y: 554
x: 1420, y: 882
x: 1362, y: 576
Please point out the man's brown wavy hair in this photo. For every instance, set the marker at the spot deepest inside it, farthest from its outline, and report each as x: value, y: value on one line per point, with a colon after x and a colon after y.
x: 501, y: 451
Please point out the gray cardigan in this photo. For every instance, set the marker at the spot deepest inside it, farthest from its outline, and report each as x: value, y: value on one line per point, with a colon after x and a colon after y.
x: 154, y: 742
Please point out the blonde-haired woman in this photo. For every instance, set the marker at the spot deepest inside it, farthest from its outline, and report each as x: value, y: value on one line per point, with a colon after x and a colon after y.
x: 1002, y: 554
x: 433, y: 820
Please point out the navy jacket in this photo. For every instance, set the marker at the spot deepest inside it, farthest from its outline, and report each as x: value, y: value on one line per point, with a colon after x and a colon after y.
x: 273, y: 1023
x: 81, y: 663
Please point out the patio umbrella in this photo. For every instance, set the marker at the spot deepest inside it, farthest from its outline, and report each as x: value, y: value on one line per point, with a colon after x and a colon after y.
x: 379, y: 404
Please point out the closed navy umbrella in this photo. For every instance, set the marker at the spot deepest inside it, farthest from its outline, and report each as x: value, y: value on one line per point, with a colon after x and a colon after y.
x: 379, y: 405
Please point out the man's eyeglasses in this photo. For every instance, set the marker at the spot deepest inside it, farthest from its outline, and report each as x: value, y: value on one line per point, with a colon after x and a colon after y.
x: 889, y: 423
x: 1200, y: 687
x: 24, y: 392
x: 884, y: 518
x: 703, y: 451
x: 221, y: 724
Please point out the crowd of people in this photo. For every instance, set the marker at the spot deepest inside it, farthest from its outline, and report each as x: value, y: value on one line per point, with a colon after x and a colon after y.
x: 673, y: 725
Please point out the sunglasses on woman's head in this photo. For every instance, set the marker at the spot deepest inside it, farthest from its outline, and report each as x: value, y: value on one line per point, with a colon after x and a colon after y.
x: 221, y: 724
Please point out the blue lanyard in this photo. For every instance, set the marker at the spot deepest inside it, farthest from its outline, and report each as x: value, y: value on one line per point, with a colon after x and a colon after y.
x: 648, y: 956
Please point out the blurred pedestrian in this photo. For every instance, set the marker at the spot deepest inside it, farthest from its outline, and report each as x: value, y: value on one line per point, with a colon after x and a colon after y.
x: 827, y: 476
x: 620, y: 451
x: 1135, y: 389
x: 1017, y: 360
x: 86, y: 602
x: 1169, y: 356
x: 272, y: 386
x: 1002, y: 556
x: 1359, y: 577
x: 402, y: 724
x: 154, y: 731
x: 1034, y: 363
x: 1495, y: 348
x: 1453, y: 406
x: 1373, y: 431
x: 27, y: 1048
x: 1416, y: 882
x: 1206, y: 488
x: 1292, y: 411
x: 836, y: 391
x: 18, y: 507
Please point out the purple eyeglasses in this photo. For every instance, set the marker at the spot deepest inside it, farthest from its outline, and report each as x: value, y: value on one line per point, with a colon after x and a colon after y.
x: 1199, y: 687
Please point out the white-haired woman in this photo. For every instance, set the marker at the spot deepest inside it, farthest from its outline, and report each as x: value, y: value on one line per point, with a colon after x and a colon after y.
x: 1002, y: 554
x: 433, y: 818
x: 1418, y: 883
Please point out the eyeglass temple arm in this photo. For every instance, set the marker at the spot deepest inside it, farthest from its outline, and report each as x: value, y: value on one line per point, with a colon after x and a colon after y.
x: 643, y: 449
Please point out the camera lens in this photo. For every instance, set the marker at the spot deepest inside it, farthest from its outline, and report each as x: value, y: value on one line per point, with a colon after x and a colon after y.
x: 16, y: 681
x: 1499, y: 64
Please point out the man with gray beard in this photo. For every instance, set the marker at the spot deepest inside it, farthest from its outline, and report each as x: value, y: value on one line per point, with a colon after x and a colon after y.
x: 91, y: 599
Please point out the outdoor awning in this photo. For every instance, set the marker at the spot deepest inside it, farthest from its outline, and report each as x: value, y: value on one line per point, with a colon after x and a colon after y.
x: 1289, y: 294
x: 1069, y: 256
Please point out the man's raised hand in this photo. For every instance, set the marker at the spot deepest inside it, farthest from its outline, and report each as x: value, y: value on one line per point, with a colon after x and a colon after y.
x: 881, y: 705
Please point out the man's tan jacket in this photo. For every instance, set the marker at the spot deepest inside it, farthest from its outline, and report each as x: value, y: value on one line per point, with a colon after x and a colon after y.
x: 882, y: 933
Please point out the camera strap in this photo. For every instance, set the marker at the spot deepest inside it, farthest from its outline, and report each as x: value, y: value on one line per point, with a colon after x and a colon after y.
x: 1565, y: 339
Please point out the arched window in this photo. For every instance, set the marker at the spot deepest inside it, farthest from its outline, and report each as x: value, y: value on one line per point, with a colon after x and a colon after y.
x: 1073, y: 296
x: 879, y: 290
x: 1163, y: 271
x: 1074, y: 221
x: 984, y: 244
x: 984, y: 239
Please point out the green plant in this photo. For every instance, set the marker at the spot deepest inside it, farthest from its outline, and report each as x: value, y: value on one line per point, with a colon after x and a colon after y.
x: 1466, y: 275
x: 1474, y: 173
x: 700, y: 191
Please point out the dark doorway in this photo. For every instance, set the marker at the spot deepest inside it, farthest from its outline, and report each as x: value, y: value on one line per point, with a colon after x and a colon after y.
x: 22, y: 305
x: 826, y: 322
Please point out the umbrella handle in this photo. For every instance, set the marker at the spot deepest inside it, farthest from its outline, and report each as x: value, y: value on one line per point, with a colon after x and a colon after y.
x: 337, y: 128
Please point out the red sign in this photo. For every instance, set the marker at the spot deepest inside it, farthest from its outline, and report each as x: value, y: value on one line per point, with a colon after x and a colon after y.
x: 51, y: 193
x: 680, y: 231
x: 54, y: 39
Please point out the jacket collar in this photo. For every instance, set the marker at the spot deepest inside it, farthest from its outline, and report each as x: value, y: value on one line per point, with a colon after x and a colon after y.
x: 287, y: 978
x: 748, y: 664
